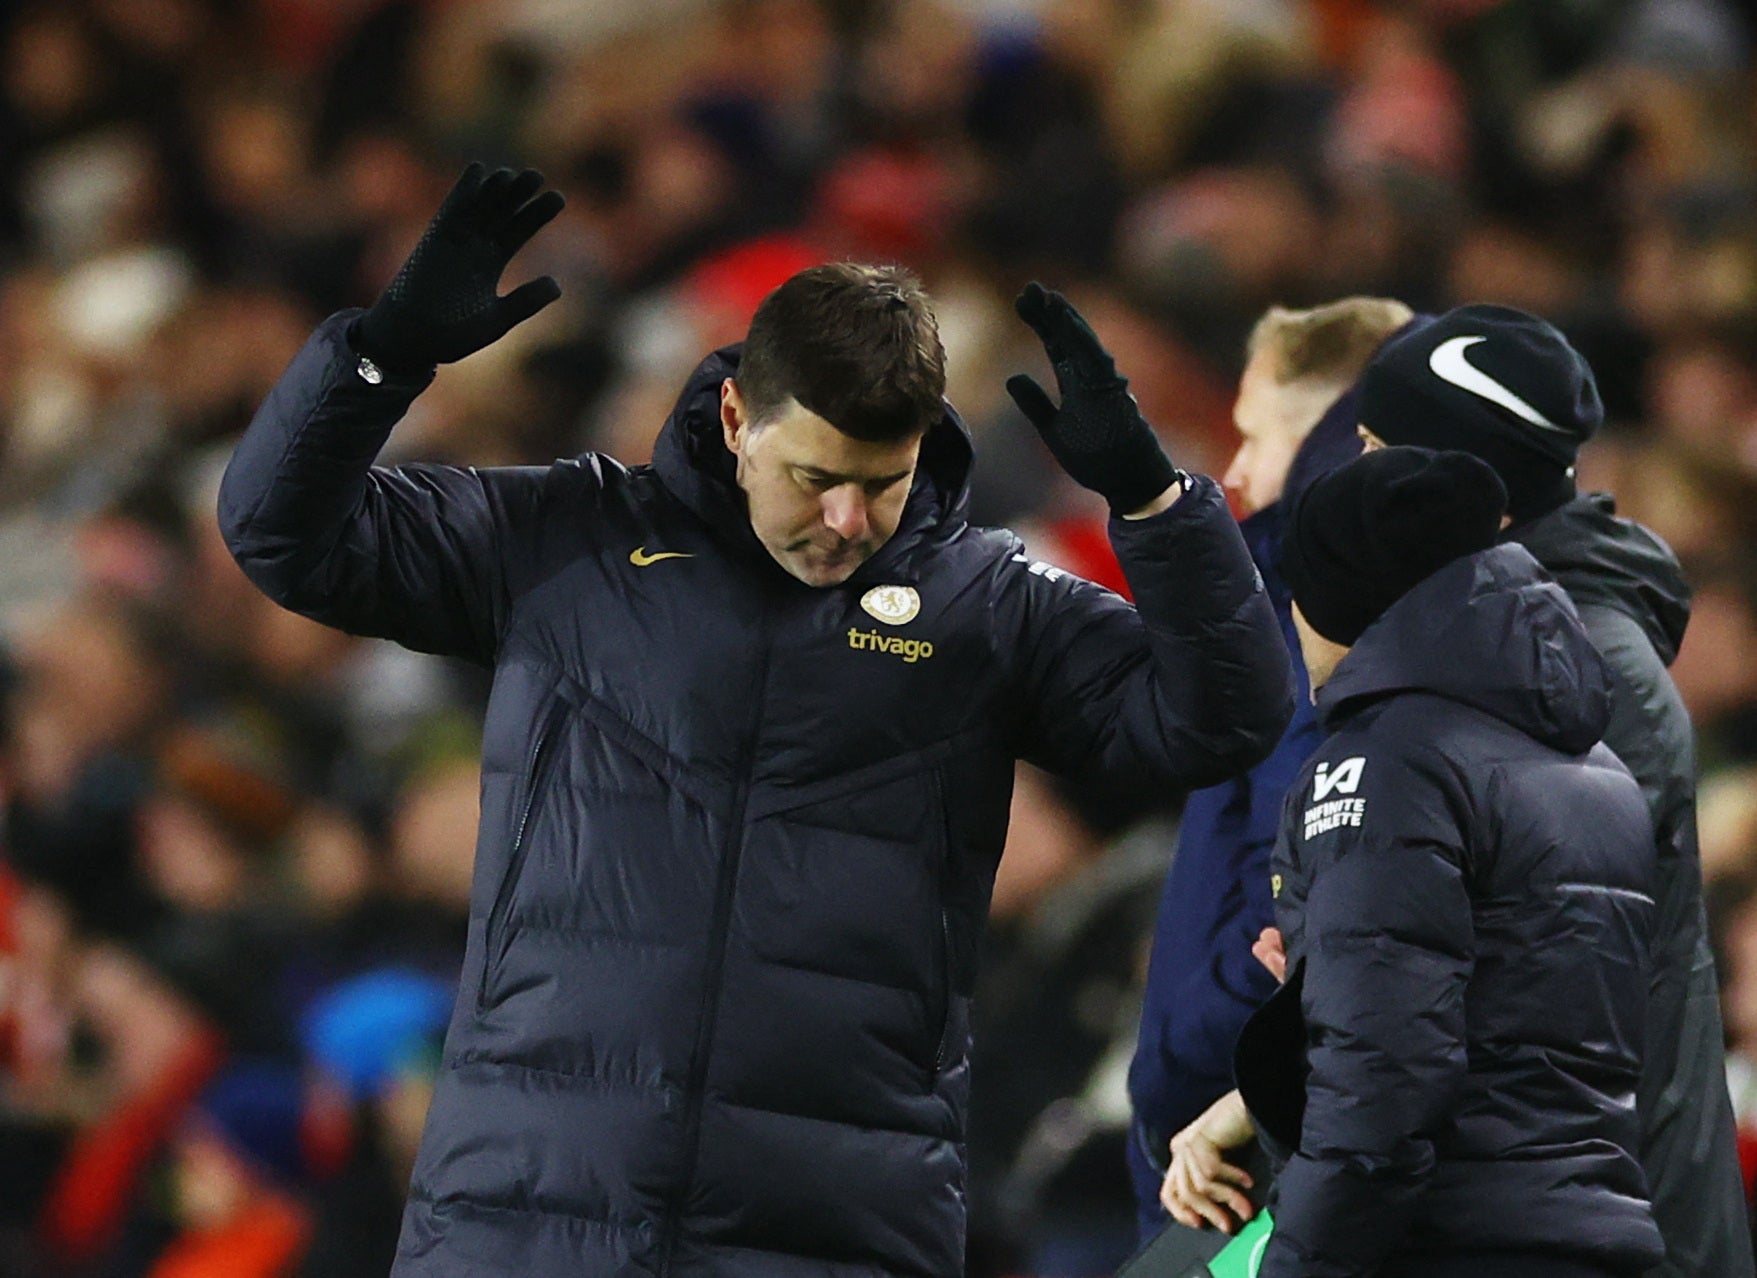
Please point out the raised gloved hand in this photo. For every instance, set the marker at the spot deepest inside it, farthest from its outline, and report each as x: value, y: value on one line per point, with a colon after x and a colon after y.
x: 443, y: 303
x: 1098, y: 434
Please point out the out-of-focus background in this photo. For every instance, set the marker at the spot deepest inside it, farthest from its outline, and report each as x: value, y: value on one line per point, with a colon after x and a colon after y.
x: 237, y: 846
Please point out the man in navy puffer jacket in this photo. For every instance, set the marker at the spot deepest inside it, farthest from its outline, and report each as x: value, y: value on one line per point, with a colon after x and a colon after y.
x: 748, y: 754
x: 1509, y: 388
x: 1464, y: 885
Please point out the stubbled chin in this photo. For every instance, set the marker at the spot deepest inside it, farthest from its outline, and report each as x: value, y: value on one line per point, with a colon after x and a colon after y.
x: 817, y: 569
x: 823, y: 574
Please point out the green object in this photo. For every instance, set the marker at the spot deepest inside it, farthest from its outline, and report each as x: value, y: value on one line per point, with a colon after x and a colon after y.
x: 1243, y: 1256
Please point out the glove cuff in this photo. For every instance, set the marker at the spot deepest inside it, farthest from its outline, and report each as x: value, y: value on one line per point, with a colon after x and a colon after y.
x: 1138, y: 473
x: 367, y: 341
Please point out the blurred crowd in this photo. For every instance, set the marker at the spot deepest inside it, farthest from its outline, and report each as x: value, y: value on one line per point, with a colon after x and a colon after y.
x: 237, y: 847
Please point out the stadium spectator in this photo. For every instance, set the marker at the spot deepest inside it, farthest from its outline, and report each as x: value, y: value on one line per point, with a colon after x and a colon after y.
x: 1054, y: 1017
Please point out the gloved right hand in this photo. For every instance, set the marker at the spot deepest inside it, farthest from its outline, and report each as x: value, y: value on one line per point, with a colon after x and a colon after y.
x: 1097, y: 433
x: 443, y: 303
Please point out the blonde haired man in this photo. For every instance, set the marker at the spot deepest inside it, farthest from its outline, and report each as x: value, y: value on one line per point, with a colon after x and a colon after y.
x: 1295, y: 417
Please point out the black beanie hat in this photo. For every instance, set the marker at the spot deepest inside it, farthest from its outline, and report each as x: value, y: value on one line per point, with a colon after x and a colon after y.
x: 1364, y: 535
x: 1493, y: 382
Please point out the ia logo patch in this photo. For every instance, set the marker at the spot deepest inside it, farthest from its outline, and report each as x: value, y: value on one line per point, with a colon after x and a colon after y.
x: 1344, y: 780
x: 1327, y: 813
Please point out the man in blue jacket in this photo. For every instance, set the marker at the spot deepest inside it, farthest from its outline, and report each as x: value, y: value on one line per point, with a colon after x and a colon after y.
x: 1464, y: 886
x: 748, y: 754
x: 1508, y: 388
x: 1296, y: 420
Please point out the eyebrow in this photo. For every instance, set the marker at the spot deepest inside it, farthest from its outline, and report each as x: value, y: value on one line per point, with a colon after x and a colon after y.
x: 813, y: 472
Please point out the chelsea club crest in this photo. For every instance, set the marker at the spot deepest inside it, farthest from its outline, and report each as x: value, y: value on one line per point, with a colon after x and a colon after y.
x: 893, y: 605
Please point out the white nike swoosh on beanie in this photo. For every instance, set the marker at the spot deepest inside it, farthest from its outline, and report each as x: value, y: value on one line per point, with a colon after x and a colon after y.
x: 1449, y: 365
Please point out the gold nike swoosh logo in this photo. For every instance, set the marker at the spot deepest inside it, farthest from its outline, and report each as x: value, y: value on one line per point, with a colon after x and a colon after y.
x: 640, y: 558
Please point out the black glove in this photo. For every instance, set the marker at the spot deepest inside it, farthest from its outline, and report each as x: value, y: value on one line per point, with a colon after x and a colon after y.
x: 442, y: 304
x: 1098, y: 434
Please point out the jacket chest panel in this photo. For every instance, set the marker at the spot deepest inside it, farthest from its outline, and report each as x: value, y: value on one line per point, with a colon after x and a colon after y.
x: 860, y: 675
x: 1288, y: 887
x: 658, y: 639
x: 734, y: 677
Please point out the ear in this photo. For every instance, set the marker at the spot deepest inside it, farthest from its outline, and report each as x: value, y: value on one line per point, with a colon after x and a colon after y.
x: 734, y: 426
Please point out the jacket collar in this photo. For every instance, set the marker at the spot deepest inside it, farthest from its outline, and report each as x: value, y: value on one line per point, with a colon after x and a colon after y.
x: 1489, y: 630
x: 1601, y: 558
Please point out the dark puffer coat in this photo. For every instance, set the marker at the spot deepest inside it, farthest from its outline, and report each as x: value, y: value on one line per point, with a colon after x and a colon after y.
x: 1635, y: 604
x: 737, y: 834
x: 1464, y: 886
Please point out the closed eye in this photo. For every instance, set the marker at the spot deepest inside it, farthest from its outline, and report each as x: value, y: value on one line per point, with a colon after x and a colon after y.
x: 822, y: 481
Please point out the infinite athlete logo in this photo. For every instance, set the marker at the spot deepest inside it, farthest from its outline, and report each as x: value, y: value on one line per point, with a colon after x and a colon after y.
x: 1344, y: 780
x: 1328, y: 814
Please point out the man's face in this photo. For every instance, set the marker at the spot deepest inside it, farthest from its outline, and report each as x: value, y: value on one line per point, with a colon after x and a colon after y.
x: 821, y: 502
x: 1273, y: 419
x: 1321, y: 655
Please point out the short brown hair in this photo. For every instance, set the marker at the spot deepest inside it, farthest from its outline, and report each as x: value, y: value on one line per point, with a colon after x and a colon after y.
x: 1331, y: 343
x: 857, y: 345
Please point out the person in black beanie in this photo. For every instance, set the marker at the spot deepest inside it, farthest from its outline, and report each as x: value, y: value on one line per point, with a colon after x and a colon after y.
x: 1510, y: 389
x: 1463, y: 885
x: 1494, y: 382
x: 1357, y: 544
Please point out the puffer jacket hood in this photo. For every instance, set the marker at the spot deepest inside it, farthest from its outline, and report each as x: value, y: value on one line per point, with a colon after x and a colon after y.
x: 1333, y: 442
x: 1598, y: 557
x: 1490, y: 631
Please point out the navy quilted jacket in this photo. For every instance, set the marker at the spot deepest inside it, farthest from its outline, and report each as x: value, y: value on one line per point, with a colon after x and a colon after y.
x: 1202, y: 980
x: 737, y: 834
x: 1465, y: 888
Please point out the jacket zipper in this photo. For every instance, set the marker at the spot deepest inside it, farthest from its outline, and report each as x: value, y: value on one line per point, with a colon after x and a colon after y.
x: 725, y: 885
x: 494, y: 939
x: 943, y: 1050
x: 944, y: 1047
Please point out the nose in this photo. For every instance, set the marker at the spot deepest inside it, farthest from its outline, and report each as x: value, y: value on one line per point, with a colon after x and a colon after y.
x: 845, y: 511
x: 1233, y: 481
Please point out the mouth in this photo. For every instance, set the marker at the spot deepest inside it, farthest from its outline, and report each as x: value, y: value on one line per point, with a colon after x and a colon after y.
x: 817, y: 564
x: 833, y: 553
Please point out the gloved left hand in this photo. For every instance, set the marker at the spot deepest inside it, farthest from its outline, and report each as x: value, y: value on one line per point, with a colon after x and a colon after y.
x: 1097, y: 434
x: 443, y: 305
